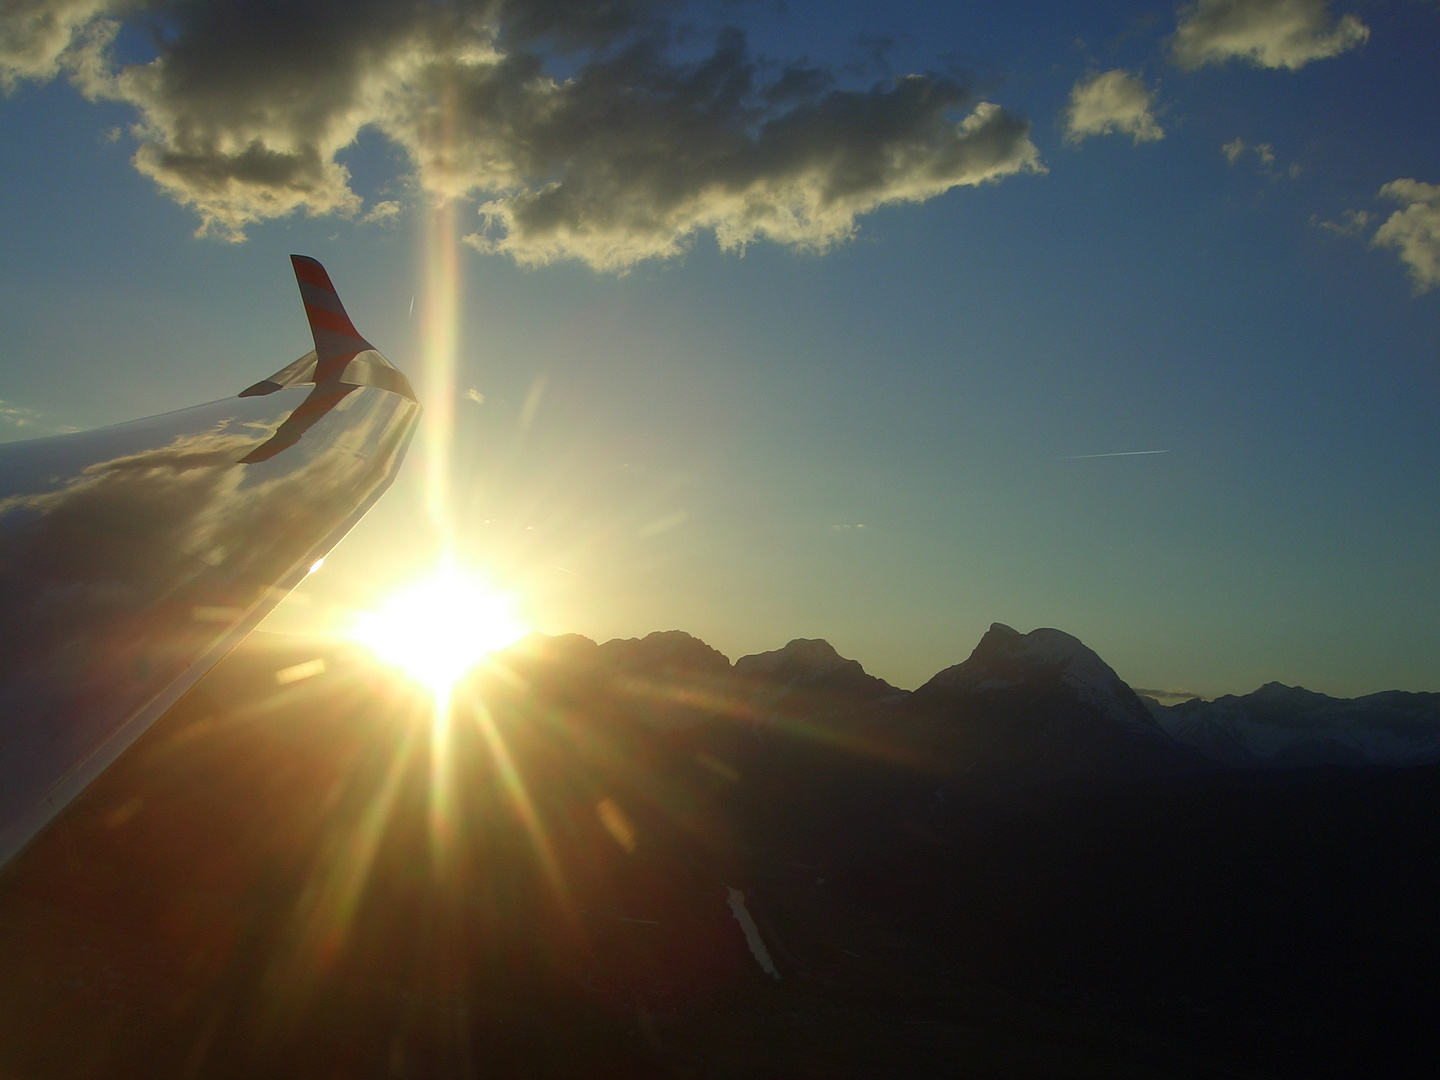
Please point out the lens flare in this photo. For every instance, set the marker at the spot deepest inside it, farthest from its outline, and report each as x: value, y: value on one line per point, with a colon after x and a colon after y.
x: 440, y: 334
x: 439, y: 628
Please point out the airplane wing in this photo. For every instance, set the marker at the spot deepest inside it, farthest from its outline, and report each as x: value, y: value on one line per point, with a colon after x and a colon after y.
x: 134, y: 557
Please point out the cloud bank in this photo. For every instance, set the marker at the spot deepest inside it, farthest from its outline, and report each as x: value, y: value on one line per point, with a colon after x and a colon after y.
x: 1265, y: 33
x: 1109, y: 102
x: 1414, y: 230
x: 595, y: 131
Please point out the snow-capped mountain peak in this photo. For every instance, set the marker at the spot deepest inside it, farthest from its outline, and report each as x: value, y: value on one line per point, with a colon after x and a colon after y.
x: 1005, y: 658
x: 1279, y: 725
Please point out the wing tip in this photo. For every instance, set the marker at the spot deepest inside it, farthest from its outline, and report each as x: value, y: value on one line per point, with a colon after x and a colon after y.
x: 336, y: 339
x: 310, y: 271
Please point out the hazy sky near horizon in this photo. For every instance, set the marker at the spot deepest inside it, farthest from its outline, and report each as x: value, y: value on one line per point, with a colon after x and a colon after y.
x: 876, y: 323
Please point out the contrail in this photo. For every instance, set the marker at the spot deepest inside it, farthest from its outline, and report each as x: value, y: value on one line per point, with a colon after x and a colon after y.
x: 1121, y: 453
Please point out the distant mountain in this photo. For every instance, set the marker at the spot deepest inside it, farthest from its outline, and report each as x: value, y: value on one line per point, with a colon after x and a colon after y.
x: 1007, y: 663
x: 670, y: 654
x: 1282, y: 726
x: 1042, y: 708
x: 810, y: 665
x: 1023, y: 710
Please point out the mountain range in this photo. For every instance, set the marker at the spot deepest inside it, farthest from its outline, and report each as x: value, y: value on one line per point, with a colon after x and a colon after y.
x: 636, y: 859
x: 1023, y: 710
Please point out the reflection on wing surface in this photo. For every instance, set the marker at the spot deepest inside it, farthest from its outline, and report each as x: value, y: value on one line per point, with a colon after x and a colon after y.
x: 132, y: 558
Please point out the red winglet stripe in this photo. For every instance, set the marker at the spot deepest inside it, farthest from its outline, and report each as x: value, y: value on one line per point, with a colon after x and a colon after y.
x: 320, y: 297
x: 311, y: 272
x: 334, y: 321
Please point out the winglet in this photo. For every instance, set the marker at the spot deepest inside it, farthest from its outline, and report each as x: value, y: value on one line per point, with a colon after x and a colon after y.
x: 336, y: 339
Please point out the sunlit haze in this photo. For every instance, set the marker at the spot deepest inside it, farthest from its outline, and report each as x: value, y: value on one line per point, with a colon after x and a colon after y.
x: 866, y: 346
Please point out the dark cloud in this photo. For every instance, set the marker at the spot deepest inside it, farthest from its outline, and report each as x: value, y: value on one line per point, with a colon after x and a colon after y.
x: 584, y: 130
x: 35, y: 34
x: 797, y: 82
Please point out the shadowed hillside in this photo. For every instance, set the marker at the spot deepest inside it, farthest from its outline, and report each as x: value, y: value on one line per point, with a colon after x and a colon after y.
x: 1010, y: 872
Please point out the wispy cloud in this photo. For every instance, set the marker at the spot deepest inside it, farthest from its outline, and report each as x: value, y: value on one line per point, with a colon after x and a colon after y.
x: 388, y: 210
x: 582, y: 131
x: 473, y: 394
x: 1235, y: 149
x: 29, y: 423
x: 15, y: 415
x: 1264, y: 157
x: 662, y: 524
x: 1166, y: 697
x: 1112, y: 101
x: 1117, y: 453
x: 1265, y: 33
x: 1351, y: 223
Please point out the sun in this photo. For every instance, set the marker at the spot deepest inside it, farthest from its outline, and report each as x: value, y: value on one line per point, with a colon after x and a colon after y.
x: 439, y: 628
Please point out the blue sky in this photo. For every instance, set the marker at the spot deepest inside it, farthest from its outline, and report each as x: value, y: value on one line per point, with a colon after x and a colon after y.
x: 1187, y: 249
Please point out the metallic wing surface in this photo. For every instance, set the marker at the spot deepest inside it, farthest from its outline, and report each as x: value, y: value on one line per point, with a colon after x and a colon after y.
x: 132, y: 558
